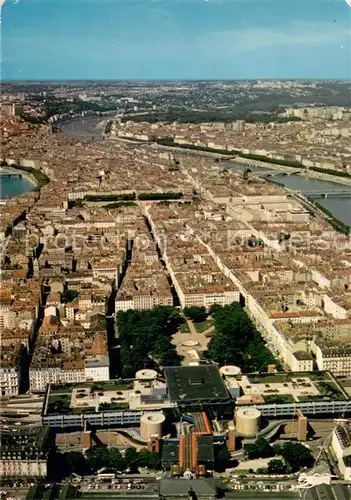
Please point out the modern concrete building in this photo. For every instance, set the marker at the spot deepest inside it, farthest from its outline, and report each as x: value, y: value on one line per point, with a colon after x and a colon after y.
x: 151, y: 425
x: 247, y: 421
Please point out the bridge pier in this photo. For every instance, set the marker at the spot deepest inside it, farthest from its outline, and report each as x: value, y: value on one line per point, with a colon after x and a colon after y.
x: 328, y: 194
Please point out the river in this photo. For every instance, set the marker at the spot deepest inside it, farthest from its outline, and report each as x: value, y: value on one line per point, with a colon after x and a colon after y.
x: 339, y: 207
x: 83, y: 127
x: 13, y: 186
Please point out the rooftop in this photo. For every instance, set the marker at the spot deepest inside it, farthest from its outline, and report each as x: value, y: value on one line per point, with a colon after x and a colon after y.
x: 181, y: 487
x: 195, y: 383
x: 25, y: 444
x: 204, y: 449
x: 343, y: 431
x: 292, y: 386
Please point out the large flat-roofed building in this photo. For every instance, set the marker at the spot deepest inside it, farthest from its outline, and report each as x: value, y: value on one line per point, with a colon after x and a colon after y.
x: 284, y: 393
x: 177, y: 489
x: 196, y: 385
x: 189, y: 388
x: 205, y: 451
x: 185, y: 488
x: 170, y: 453
x: 334, y: 356
x: 103, y: 403
x: 326, y: 492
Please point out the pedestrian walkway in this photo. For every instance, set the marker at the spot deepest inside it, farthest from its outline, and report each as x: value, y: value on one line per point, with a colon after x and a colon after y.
x: 191, y: 327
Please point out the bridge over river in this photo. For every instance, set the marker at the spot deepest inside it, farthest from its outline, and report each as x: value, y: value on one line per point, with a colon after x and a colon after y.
x: 274, y: 173
x: 332, y: 191
x: 10, y: 175
x: 320, y: 193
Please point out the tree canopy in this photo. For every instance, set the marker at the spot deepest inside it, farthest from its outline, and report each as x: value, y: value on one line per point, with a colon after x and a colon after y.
x: 131, y: 458
x: 276, y: 466
x: 76, y: 463
x: 259, y: 449
x: 99, y: 457
x: 148, y: 459
x: 196, y: 313
x: 222, y: 457
x: 297, y: 455
x: 236, y: 340
x: 145, y: 339
x: 68, y: 295
x: 116, y: 460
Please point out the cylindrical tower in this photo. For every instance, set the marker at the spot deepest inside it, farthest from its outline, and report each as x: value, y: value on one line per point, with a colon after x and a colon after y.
x: 151, y: 425
x: 146, y: 374
x: 247, y: 421
x: 230, y: 371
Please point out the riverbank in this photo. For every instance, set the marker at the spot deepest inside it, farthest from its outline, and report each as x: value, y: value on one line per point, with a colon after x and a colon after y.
x: 279, y: 167
x: 262, y: 161
x: 306, y: 179
x: 200, y: 152
x: 312, y: 206
x: 25, y: 175
x: 266, y: 162
x: 36, y: 177
x: 337, y: 224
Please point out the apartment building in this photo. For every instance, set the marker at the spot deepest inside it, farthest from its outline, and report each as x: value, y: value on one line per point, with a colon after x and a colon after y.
x: 341, y: 445
x: 97, y: 368
x: 13, y: 353
x: 25, y: 453
x: 9, y: 380
x: 69, y: 353
x: 144, y: 290
x: 145, y: 284
x: 333, y: 356
x: 97, y: 361
x: 107, y: 270
x: 55, y: 372
x: 300, y: 361
x: 207, y: 296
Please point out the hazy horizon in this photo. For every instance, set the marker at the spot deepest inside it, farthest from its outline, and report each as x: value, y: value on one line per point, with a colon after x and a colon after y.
x: 80, y: 40
x: 194, y: 80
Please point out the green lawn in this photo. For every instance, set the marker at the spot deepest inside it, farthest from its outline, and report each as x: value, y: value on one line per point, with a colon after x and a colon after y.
x: 184, y: 328
x: 53, y: 398
x: 109, y: 385
x: 274, y: 378
x: 60, y: 390
x: 203, y: 325
x: 278, y: 398
x: 112, y: 385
